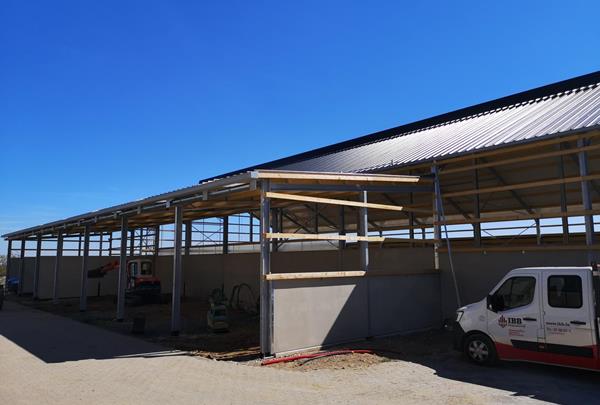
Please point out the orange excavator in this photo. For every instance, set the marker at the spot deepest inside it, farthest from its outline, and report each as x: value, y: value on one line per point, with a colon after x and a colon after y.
x: 142, y: 284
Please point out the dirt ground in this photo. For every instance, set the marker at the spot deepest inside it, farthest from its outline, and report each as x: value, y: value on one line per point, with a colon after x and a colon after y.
x: 240, y: 343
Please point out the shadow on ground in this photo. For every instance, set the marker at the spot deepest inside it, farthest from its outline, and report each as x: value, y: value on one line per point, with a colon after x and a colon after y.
x: 542, y: 382
x: 55, y: 339
x: 239, y: 344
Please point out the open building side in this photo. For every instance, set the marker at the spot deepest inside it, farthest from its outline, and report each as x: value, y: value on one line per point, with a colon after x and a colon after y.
x: 351, y: 240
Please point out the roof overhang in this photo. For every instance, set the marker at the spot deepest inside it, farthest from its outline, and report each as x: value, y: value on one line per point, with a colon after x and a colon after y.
x: 225, y: 196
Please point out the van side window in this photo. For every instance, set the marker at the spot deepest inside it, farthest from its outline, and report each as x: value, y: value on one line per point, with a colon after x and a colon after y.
x: 564, y: 292
x: 516, y: 292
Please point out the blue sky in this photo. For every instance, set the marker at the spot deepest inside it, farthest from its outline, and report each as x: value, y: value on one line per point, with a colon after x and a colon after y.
x: 106, y: 102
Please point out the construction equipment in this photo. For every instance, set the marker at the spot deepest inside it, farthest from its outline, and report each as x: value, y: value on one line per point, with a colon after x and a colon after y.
x: 142, y: 284
x: 216, y: 317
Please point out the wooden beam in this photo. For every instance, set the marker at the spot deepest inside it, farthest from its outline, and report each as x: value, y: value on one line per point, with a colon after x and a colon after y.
x: 320, y: 200
x: 522, y: 248
x: 533, y: 156
x: 520, y: 186
x: 376, y: 178
x: 347, y: 238
x: 518, y: 217
x: 313, y: 275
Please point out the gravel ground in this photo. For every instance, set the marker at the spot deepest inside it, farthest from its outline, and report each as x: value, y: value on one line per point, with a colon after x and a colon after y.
x: 46, y: 358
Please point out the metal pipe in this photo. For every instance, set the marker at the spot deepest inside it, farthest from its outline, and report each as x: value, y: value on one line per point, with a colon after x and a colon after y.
x: 177, y: 273
x: 122, y: 271
x: 57, y: 260
x: 36, y: 272
x: 84, y: 269
x: 265, y: 269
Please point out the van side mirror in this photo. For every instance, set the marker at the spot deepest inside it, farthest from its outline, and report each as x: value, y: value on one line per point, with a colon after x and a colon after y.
x: 495, y: 303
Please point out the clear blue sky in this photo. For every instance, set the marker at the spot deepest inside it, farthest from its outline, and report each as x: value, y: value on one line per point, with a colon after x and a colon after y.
x: 103, y: 102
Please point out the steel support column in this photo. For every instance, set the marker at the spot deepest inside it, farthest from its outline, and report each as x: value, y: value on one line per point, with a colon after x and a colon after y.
x: 225, y: 235
x: 22, y: 267
x: 177, y: 273
x: 275, y: 227
x: 476, y: 208
x: 101, y: 244
x: 84, y: 269
x: 342, y: 227
x: 586, y: 196
x: 363, y: 230
x: 437, y: 229
x: 563, y: 198
x: 57, y: 260
x: 156, y: 239
x: 132, y: 243
x: 188, y: 237
x: 266, y: 321
x: 8, y: 255
x: 122, y: 282
x: 251, y: 228
x: 36, y: 272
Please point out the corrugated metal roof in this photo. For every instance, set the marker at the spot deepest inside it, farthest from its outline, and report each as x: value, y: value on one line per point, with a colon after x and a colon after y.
x: 568, y: 111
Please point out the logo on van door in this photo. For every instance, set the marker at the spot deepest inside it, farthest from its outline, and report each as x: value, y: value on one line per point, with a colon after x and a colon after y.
x: 503, y: 322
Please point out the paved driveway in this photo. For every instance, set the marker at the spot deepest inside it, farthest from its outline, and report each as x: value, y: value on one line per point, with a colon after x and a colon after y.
x: 49, y: 359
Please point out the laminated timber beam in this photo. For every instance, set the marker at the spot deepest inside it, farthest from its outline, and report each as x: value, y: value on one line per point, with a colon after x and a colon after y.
x: 362, y: 178
x: 521, y: 159
x: 313, y: 275
x: 518, y: 217
x: 347, y: 238
x: 521, y: 186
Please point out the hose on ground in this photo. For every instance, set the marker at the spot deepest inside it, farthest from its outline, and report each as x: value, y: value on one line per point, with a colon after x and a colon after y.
x: 312, y: 356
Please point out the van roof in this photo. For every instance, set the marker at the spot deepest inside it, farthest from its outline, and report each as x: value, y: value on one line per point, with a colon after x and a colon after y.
x: 564, y: 268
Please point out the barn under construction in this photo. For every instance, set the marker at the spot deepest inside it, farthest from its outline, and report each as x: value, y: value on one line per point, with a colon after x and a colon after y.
x: 383, y: 234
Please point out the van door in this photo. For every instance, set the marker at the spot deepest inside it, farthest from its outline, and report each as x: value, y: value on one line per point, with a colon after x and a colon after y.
x: 567, y: 305
x: 517, y: 323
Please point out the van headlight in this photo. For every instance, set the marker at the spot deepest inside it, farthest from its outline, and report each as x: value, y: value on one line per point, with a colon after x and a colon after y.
x: 459, y: 315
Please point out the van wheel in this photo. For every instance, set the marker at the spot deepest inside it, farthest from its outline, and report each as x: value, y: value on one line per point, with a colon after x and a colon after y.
x: 480, y: 349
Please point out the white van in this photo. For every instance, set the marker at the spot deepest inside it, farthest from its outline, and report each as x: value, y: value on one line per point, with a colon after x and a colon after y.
x: 543, y: 315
